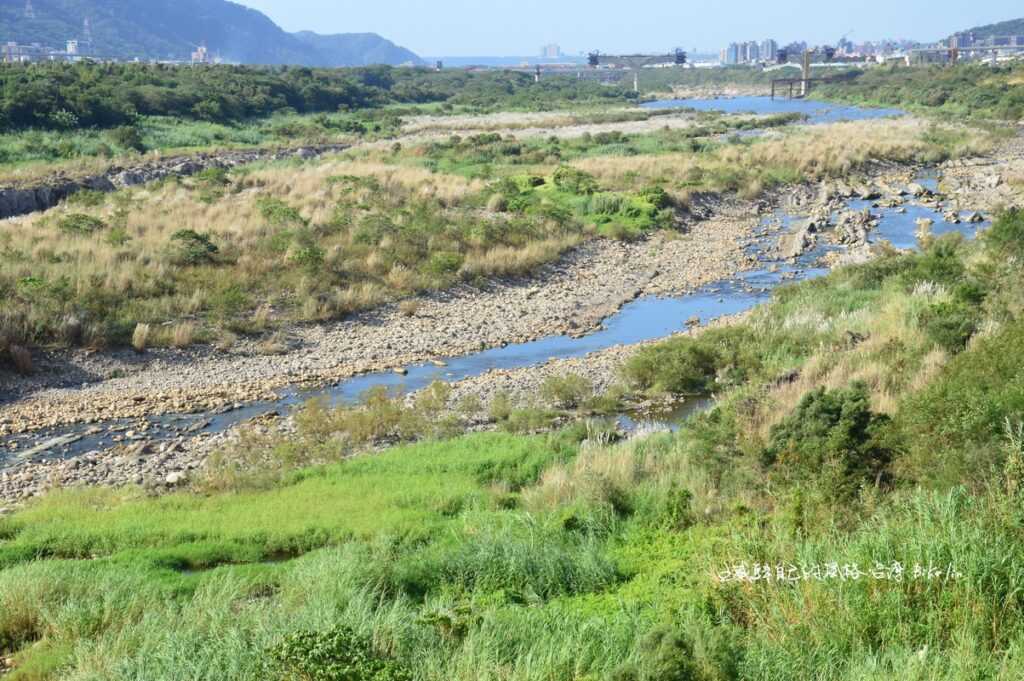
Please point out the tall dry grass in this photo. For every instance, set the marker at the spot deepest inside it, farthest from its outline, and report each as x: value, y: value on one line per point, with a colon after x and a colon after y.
x: 806, y: 153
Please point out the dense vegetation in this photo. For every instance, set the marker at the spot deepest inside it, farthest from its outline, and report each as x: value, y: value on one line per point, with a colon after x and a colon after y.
x: 963, y: 91
x: 245, y: 252
x: 851, y: 507
x: 67, y: 97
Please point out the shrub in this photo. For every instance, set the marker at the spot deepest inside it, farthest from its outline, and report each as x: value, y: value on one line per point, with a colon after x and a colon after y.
x: 694, y: 365
x: 336, y: 655
x: 832, y: 438
x: 1006, y: 236
x: 79, y: 223
x: 189, y: 247
x: 657, y: 197
x: 445, y: 263
x: 21, y: 359
x: 183, y: 334
x: 575, y: 181
x: 567, y: 392
x: 305, y: 253
x: 940, y: 263
x: 954, y: 426
x: 950, y: 325
x: 278, y: 213
x: 667, y: 656
x: 128, y: 137
x: 140, y: 337
x: 409, y: 307
x: 528, y: 420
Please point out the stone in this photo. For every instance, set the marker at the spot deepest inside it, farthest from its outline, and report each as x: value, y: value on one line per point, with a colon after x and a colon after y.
x: 176, y: 478
x: 916, y: 189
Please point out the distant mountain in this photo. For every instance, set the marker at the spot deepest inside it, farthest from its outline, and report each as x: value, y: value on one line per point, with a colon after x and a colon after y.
x: 171, y: 29
x: 1012, y: 27
x: 357, y: 49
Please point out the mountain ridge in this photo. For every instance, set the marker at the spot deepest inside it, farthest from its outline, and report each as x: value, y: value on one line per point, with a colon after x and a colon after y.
x: 1001, y: 28
x: 171, y: 29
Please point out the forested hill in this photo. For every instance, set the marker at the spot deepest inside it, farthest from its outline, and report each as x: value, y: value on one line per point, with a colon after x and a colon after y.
x: 1011, y: 27
x: 357, y: 49
x: 170, y: 29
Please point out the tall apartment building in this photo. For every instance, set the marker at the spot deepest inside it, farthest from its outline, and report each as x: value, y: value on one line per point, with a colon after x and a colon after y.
x: 751, y: 52
x: 551, y: 51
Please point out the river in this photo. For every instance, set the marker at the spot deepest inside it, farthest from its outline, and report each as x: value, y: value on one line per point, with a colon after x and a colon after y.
x: 647, y: 318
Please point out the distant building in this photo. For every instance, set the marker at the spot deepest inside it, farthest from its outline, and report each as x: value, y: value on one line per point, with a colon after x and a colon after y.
x: 551, y: 51
x: 752, y: 52
x: 769, y: 50
x: 201, y: 55
x: 72, y: 48
x: 733, y: 54
x: 961, y: 40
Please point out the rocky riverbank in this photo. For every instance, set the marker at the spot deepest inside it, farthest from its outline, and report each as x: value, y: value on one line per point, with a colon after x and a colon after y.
x: 571, y: 296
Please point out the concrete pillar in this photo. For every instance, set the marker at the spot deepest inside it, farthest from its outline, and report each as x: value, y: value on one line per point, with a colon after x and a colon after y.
x: 805, y: 85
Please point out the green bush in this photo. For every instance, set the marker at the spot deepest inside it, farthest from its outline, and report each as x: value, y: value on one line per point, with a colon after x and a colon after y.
x: 1006, y: 236
x: 955, y: 425
x: 336, y: 655
x: 567, y: 392
x: 694, y: 365
x: 127, y: 137
x: 189, y: 247
x: 79, y: 223
x: 832, y: 439
x: 278, y: 213
x: 445, y: 263
x: 950, y: 325
x: 575, y: 181
x: 941, y: 263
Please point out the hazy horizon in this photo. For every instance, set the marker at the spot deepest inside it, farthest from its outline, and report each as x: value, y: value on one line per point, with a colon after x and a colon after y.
x: 461, y: 28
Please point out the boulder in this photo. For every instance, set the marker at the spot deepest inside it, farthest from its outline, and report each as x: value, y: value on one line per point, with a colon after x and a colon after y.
x: 176, y: 478
x: 915, y: 189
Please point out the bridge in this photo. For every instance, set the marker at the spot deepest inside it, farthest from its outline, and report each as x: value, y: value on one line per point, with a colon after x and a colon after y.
x: 954, y: 53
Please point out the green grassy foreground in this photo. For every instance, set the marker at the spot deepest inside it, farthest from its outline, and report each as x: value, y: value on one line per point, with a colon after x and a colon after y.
x: 866, y: 420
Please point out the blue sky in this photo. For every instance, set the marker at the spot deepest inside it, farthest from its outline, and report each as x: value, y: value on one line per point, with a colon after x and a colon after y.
x: 520, y: 27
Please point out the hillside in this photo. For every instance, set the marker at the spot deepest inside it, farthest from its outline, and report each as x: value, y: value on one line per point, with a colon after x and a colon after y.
x: 170, y: 29
x: 1011, y: 27
x: 357, y: 49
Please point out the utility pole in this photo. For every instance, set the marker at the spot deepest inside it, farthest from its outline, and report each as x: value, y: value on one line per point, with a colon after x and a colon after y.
x: 805, y: 84
x: 636, y: 82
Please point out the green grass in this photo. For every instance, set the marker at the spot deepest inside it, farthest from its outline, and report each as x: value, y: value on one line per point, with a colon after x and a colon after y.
x: 358, y: 498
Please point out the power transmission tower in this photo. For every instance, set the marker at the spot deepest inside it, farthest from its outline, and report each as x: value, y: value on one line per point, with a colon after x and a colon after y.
x: 30, y: 11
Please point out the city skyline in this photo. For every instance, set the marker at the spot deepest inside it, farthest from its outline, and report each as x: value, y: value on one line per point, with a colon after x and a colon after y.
x: 459, y: 28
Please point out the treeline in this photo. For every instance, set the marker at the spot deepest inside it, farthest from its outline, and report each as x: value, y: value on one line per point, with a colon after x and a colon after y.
x: 86, y: 95
x: 965, y: 90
